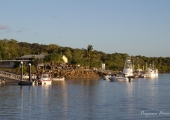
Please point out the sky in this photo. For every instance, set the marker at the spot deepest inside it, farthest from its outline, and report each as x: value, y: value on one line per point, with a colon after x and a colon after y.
x: 134, y: 27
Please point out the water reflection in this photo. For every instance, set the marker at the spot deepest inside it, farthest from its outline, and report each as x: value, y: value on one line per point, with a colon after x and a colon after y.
x: 152, y: 90
x: 91, y: 82
x: 60, y: 97
x: 33, y: 99
x: 25, y: 100
x: 153, y: 78
x: 21, y: 102
x: 81, y: 99
x: 139, y: 95
x: 130, y: 86
x: 146, y: 94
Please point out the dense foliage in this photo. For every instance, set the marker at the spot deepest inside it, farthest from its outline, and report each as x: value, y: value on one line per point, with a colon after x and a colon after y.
x: 11, y: 49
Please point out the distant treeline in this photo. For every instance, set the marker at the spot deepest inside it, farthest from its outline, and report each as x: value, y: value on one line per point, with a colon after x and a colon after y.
x: 11, y: 49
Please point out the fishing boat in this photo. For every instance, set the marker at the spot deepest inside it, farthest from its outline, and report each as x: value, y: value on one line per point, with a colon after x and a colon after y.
x: 128, y: 69
x: 45, y: 79
x: 120, y: 78
x: 127, y: 73
x: 58, y: 78
x: 151, y: 72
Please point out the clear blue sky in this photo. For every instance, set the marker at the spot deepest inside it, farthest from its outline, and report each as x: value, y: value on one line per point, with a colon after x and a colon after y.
x: 135, y: 27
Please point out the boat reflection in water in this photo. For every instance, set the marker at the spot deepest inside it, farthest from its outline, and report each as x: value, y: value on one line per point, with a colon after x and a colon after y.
x: 129, y: 102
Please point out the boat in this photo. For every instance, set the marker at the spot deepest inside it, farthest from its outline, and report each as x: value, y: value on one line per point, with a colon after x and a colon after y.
x: 58, y: 78
x: 151, y: 72
x: 120, y: 78
x: 106, y: 77
x: 127, y: 73
x: 45, y: 79
x: 128, y: 68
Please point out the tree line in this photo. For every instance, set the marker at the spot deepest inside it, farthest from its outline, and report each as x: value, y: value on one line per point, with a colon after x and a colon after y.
x: 11, y: 49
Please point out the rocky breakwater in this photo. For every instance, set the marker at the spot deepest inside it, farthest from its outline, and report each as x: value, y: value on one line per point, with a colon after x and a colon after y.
x: 76, y: 73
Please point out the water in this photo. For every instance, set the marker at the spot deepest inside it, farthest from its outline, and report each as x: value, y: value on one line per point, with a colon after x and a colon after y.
x: 88, y: 100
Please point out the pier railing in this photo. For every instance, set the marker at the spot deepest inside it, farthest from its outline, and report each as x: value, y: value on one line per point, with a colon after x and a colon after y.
x: 10, y: 75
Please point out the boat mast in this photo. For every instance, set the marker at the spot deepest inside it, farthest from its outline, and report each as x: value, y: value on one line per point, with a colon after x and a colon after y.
x: 153, y: 65
x: 146, y: 65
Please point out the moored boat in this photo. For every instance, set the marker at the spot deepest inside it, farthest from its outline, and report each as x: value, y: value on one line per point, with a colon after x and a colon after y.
x: 127, y: 73
x: 120, y: 78
x: 128, y: 69
x: 106, y: 77
x: 150, y: 73
x: 58, y: 78
x: 45, y: 79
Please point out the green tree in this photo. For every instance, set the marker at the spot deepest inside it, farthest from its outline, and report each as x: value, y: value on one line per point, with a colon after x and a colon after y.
x: 88, y: 53
x: 53, y: 59
x: 67, y: 52
x: 91, y: 57
x: 2, y: 51
x: 52, y: 48
x: 77, y: 56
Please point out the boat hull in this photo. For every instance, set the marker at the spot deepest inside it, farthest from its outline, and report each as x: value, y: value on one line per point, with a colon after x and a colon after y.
x: 120, y: 79
x: 44, y: 81
x: 106, y: 77
x: 58, y: 79
x: 150, y: 73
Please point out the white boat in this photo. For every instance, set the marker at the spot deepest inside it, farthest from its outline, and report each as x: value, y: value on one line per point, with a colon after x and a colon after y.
x: 127, y: 72
x: 120, y: 78
x: 45, y: 79
x: 150, y: 73
x: 58, y: 79
x: 106, y: 77
x: 128, y: 69
x: 26, y: 76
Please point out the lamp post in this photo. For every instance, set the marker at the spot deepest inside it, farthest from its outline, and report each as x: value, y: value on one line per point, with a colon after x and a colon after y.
x: 138, y: 62
x: 21, y: 70
x: 29, y: 71
x: 21, y: 82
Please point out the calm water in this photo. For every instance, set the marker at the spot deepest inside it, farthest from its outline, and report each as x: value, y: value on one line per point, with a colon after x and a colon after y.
x: 88, y: 100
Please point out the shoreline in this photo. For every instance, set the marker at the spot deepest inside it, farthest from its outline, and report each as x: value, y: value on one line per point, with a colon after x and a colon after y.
x: 11, y: 80
x: 8, y: 79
